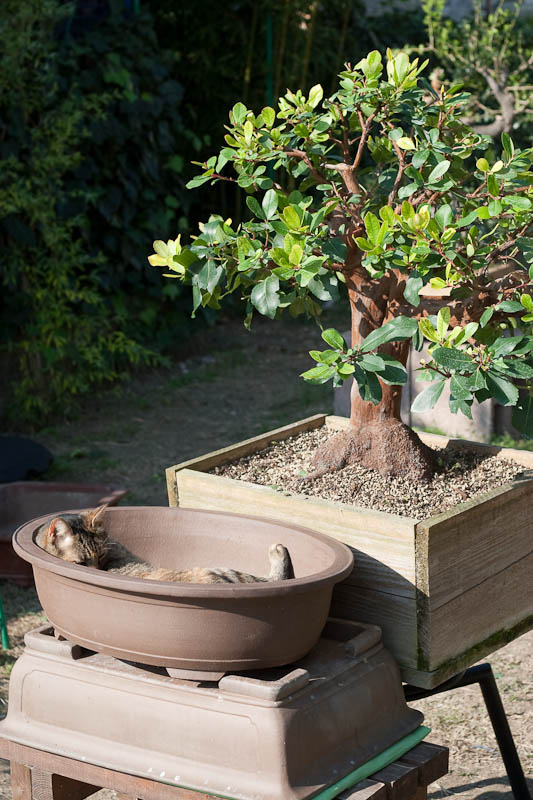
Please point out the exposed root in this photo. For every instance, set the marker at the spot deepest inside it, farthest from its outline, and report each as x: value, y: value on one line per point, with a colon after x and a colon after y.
x: 389, y: 447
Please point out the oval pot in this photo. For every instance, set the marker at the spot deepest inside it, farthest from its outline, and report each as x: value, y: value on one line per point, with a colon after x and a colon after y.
x: 203, y: 627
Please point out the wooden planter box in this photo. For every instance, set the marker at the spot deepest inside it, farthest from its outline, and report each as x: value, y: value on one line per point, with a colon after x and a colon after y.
x: 446, y: 590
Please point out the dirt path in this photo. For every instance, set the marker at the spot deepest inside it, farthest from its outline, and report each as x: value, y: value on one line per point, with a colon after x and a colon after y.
x: 247, y: 384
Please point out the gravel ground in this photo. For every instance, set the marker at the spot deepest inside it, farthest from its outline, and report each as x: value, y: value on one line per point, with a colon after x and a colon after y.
x: 461, y: 476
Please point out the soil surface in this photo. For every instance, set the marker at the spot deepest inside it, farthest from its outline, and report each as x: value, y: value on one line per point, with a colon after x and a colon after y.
x: 284, y: 466
x: 231, y: 386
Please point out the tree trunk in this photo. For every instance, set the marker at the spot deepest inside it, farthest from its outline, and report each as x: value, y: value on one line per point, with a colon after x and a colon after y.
x: 378, y: 439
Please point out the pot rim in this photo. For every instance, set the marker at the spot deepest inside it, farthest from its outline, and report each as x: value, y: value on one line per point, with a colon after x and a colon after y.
x: 25, y: 546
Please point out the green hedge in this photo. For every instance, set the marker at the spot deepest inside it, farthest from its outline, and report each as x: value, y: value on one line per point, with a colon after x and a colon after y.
x: 90, y: 146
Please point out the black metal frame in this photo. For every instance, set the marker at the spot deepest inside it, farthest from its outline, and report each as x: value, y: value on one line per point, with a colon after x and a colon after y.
x: 483, y: 675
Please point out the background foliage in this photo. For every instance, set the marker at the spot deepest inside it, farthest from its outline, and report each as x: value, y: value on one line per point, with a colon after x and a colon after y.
x: 89, y: 144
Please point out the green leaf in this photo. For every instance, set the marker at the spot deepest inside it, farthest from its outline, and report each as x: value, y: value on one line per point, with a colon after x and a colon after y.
x: 269, y: 115
x: 420, y: 158
x: 527, y: 302
x: 502, y: 390
x: 318, y: 374
x: 295, y: 256
x: 504, y: 345
x: 315, y: 95
x: 317, y: 287
x: 254, y: 207
x: 270, y: 203
x: 209, y: 276
x: 438, y: 171
x: 444, y: 216
x: 324, y: 357
x: 495, y: 208
x: 248, y: 130
x: 412, y: 288
x: 482, y: 164
x: 486, y: 316
x: 461, y: 387
x: 462, y: 405
x: 510, y: 306
x: 371, y: 390
x: 387, y: 215
x: 372, y: 363
x: 405, y: 143
x: 265, y: 296
x: 517, y: 202
x: 334, y: 339
x: 492, y: 186
x: 428, y: 330
x: 346, y: 370
x: 363, y: 244
x: 238, y: 113
x: 372, y: 226
x: 427, y: 399
x: 291, y: 218
x: 453, y: 359
x: 397, y: 329
x: 197, y: 181
x: 394, y: 372
x: 507, y: 144
x: 443, y: 320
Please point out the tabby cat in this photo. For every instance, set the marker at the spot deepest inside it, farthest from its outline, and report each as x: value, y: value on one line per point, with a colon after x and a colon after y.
x: 81, y: 539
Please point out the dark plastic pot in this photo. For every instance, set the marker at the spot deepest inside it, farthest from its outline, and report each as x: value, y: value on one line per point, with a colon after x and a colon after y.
x: 22, y: 500
x: 212, y: 628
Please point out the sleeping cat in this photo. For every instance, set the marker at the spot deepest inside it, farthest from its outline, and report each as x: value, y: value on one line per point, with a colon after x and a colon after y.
x: 81, y: 539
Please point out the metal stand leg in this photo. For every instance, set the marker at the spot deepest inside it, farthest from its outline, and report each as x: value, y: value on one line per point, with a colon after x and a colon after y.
x: 483, y: 675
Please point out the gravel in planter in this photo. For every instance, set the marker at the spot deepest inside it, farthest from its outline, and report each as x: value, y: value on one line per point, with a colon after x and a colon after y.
x: 461, y: 475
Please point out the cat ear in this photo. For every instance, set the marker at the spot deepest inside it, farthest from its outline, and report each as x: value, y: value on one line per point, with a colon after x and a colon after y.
x: 94, y: 516
x: 58, y: 528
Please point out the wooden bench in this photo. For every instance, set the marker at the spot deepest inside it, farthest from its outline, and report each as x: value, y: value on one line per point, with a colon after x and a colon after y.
x: 39, y: 775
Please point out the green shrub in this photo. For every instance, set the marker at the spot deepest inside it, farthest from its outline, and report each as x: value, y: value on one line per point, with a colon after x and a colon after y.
x: 87, y: 159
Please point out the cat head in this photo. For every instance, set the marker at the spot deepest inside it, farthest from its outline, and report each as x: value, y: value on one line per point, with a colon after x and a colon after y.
x: 76, y: 538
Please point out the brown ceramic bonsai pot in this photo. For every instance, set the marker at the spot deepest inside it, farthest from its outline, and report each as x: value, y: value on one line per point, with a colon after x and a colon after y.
x: 185, y: 626
x: 22, y: 500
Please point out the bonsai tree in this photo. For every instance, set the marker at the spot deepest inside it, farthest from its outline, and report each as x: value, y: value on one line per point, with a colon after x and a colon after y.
x: 387, y: 191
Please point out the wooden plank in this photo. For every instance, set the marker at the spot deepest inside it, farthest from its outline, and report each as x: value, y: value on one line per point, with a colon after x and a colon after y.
x: 395, y: 615
x: 429, y: 679
x: 383, y: 544
x: 247, y: 446
x: 20, y: 780
x: 522, y: 457
x: 365, y: 790
x: 401, y: 780
x: 483, y: 613
x: 47, y: 786
x: 468, y: 545
x: 128, y: 785
x: 431, y: 760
